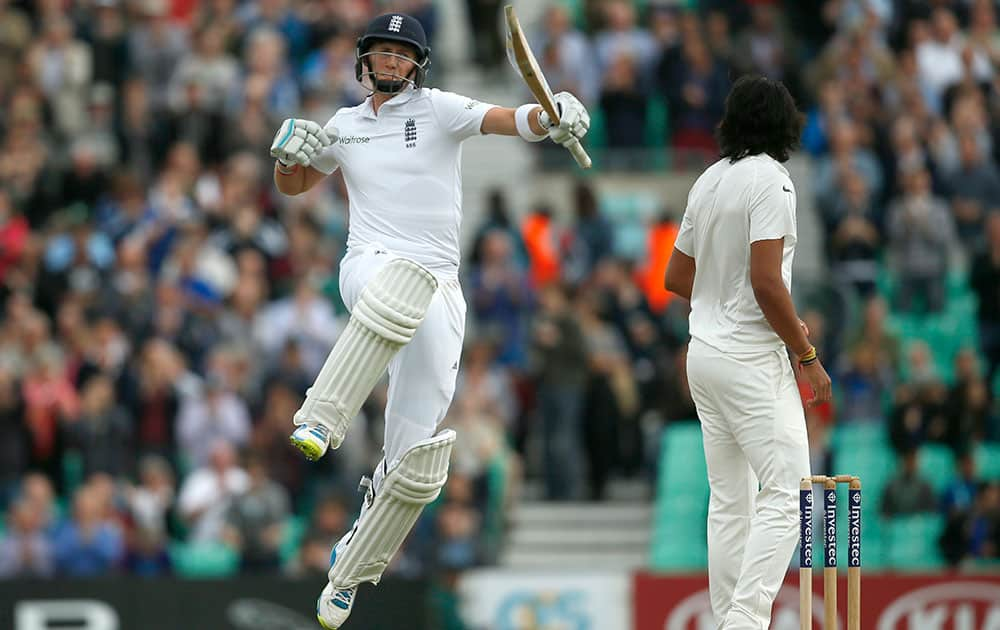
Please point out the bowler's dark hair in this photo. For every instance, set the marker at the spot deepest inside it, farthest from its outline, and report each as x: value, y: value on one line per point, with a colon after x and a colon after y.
x: 760, y: 117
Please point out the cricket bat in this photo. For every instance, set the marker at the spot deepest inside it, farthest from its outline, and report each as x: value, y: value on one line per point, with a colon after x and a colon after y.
x: 520, y: 56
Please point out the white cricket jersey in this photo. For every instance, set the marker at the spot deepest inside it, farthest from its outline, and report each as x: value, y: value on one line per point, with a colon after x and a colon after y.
x: 729, y: 207
x: 403, y: 173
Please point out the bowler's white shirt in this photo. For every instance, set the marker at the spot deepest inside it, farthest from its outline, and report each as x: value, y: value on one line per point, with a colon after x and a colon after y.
x: 729, y: 207
x: 403, y: 172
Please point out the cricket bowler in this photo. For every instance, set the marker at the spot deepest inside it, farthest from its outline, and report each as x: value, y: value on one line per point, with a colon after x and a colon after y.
x: 733, y: 260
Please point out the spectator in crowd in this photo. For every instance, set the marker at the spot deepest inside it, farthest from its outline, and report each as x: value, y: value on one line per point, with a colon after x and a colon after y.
x: 306, y: 317
x: 108, y: 40
x: 975, y: 189
x: 853, y: 222
x: 846, y: 155
x: 313, y: 559
x: 256, y: 519
x: 458, y: 529
x: 968, y: 404
x: 939, y: 57
x: 207, y: 493
x: 974, y: 534
x: 984, y: 524
x: 149, y: 506
x: 908, y: 493
x: 14, y: 437
x: 500, y: 292
x: 918, y: 415
x: 25, y: 548
x: 63, y: 68
x: 767, y: 48
x: 488, y: 50
x: 39, y: 490
x: 88, y: 544
x: 281, y: 397
x: 864, y: 384
x: 329, y: 520
x: 621, y: 35
x: 565, y: 56
x: 329, y: 72
x: 960, y: 493
x: 624, y: 105
x: 558, y: 362
x: 103, y: 432
x: 279, y: 16
x: 922, y: 240
x: 217, y: 414
x: 611, y: 396
x: 155, y: 47
x: 50, y: 400
x: 696, y: 98
x: 591, y: 238
x: 985, y: 281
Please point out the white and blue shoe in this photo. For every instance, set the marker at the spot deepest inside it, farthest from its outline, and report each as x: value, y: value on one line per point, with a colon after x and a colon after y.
x: 312, y: 439
x: 334, y: 606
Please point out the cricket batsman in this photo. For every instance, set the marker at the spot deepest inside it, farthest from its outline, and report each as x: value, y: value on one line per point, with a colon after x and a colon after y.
x: 400, y: 152
x: 733, y: 261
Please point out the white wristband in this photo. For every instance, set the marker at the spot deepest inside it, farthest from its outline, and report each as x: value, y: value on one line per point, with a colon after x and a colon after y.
x: 523, y: 126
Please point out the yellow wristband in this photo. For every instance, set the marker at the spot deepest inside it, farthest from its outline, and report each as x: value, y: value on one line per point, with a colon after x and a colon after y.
x: 808, y: 356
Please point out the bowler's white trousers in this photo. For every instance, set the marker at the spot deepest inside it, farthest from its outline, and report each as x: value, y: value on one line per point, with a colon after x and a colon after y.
x: 753, y: 428
x: 422, y: 374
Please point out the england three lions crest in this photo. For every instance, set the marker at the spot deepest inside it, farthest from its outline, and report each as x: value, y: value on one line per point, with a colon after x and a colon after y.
x: 410, y: 133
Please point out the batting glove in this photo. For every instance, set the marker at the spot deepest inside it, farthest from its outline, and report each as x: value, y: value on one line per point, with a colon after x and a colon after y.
x: 298, y: 141
x: 574, y: 121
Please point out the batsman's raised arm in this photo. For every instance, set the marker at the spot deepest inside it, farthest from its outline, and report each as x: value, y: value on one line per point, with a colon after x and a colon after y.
x: 534, y: 125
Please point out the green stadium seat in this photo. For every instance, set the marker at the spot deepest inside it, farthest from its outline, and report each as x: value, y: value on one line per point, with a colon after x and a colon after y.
x: 72, y: 471
x: 680, y: 557
x: 937, y: 465
x: 291, y: 537
x: 597, y: 135
x: 849, y: 436
x: 911, y: 542
x: 987, y: 456
x: 682, y: 459
x: 678, y: 542
x: 874, y: 463
x: 203, y: 560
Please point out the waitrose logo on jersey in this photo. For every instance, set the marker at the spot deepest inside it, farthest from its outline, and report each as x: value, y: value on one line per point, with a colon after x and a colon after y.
x: 355, y: 140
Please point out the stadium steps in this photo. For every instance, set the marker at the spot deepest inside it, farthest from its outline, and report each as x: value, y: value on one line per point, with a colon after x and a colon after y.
x: 614, y: 534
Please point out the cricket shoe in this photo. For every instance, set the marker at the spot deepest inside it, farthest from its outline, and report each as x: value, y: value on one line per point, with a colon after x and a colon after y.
x: 334, y: 606
x: 312, y: 439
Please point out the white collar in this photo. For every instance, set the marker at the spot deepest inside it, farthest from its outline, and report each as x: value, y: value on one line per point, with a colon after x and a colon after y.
x: 399, y: 99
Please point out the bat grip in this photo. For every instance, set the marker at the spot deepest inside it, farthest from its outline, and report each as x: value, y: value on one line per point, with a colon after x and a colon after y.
x: 579, y: 154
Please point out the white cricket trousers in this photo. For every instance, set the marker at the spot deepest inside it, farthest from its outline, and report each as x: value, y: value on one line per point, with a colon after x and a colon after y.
x: 753, y: 428
x: 422, y: 374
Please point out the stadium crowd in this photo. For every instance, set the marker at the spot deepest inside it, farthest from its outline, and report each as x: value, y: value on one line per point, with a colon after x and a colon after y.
x: 164, y: 308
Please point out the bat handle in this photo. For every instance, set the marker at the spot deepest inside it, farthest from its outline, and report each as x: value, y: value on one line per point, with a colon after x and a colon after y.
x: 579, y: 154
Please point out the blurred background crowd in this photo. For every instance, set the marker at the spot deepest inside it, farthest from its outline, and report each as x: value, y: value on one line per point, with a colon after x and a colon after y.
x: 164, y: 308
